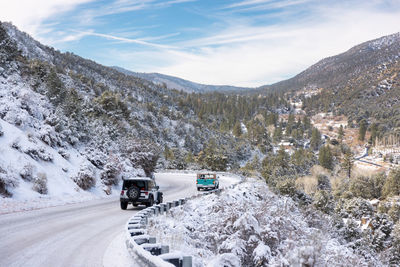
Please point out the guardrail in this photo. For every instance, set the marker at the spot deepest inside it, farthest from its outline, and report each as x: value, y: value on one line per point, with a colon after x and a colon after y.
x: 144, y: 248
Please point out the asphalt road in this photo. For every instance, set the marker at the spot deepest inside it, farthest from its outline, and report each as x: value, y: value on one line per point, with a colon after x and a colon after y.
x: 78, y: 234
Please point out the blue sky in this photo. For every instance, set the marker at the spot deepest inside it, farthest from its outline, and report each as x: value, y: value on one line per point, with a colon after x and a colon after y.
x: 236, y: 42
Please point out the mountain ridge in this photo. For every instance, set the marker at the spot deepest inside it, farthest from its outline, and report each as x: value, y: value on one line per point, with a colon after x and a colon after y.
x: 172, y: 82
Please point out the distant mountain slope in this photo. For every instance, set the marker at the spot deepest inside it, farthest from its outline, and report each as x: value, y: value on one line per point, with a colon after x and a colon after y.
x: 180, y: 84
x: 363, y: 82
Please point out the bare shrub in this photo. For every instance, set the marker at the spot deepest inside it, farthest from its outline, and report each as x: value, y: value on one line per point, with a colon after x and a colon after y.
x: 319, y: 170
x: 308, y: 184
x: 85, y: 178
x: 40, y: 183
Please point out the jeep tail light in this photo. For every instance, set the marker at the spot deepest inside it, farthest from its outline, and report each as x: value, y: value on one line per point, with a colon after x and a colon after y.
x: 142, y: 188
x: 146, y: 193
x: 122, y: 192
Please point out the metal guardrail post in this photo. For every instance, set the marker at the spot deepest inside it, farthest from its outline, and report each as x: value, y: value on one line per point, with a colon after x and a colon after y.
x: 135, y: 226
x: 164, y: 249
x: 169, y: 204
x: 164, y: 207
x: 135, y: 232
x: 187, y: 261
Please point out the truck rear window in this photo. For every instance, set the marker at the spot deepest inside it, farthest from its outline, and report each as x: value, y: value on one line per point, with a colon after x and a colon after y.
x: 206, y: 176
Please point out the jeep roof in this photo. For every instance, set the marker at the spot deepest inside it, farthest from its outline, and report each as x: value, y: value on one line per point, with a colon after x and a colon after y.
x: 138, y: 179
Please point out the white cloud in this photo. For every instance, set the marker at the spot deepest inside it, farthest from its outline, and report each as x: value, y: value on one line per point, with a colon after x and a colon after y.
x: 253, y: 56
x: 28, y: 15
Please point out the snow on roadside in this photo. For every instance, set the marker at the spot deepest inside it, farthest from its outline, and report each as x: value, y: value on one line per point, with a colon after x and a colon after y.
x: 249, y: 226
x: 116, y: 254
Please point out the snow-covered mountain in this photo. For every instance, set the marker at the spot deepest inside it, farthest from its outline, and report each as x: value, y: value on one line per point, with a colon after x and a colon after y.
x: 362, y: 82
x: 172, y: 82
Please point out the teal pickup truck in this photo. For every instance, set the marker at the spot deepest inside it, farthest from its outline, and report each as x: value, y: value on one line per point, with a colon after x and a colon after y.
x: 207, y: 181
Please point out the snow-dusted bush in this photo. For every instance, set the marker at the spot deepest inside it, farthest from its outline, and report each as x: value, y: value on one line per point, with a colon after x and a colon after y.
x: 64, y: 153
x: 26, y: 172
x: 144, y: 155
x: 355, y: 208
x: 394, y: 211
x: 323, y: 201
x: 1, y: 131
x: 40, y: 183
x: 110, y: 174
x: 7, y: 182
x: 85, y: 178
x: 323, y: 182
x: 16, y: 144
x: 96, y: 157
x: 380, y: 228
x: 287, y: 187
x: 38, y: 153
x: 393, y: 253
x: 49, y: 136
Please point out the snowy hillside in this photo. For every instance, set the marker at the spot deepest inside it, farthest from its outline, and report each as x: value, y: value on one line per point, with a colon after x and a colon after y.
x: 254, y: 227
x: 72, y: 127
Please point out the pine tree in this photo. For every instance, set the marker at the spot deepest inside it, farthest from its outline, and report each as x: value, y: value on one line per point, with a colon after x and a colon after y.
x: 168, y: 153
x: 237, y: 129
x: 374, y: 133
x: 392, y: 184
x: 341, y: 133
x: 277, y: 134
x: 362, y: 130
x: 348, y: 162
x: 289, y: 125
x: 325, y: 157
x: 315, y: 141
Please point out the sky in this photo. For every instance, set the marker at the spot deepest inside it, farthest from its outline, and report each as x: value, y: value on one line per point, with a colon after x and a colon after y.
x: 232, y: 42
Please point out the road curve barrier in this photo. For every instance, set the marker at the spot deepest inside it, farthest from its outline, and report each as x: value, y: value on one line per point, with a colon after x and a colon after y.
x: 144, y: 248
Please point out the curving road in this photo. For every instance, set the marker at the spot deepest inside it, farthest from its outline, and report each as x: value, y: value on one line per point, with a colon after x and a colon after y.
x: 84, y: 234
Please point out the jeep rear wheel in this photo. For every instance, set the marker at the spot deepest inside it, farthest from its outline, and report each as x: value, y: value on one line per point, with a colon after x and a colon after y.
x: 151, y: 202
x: 160, y: 199
x: 124, y: 205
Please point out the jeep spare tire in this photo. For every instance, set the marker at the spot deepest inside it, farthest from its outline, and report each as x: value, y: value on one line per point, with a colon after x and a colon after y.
x: 133, y: 193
